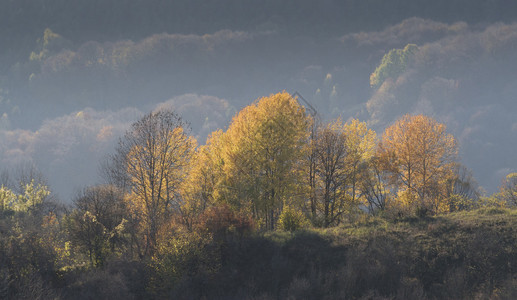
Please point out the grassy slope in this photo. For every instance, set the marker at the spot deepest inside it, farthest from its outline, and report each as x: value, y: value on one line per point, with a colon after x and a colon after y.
x: 458, y: 256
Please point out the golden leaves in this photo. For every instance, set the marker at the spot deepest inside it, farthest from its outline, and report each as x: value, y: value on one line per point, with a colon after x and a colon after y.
x: 421, y: 155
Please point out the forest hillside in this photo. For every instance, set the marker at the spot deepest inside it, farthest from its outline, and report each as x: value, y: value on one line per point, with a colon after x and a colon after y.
x: 279, y: 205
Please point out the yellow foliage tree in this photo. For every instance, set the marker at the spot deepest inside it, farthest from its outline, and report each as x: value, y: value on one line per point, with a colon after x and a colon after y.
x: 361, y: 143
x: 154, y: 153
x: 262, y: 154
x: 32, y: 195
x: 421, y: 156
x: 199, y: 190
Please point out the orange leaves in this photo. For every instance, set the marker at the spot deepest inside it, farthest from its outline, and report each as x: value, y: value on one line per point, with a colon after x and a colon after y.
x: 421, y: 156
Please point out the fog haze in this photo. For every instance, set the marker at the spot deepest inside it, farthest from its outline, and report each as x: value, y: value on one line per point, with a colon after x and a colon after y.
x: 75, y: 74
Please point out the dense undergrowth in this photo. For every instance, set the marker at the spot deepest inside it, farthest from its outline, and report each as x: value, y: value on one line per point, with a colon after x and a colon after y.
x: 464, y: 255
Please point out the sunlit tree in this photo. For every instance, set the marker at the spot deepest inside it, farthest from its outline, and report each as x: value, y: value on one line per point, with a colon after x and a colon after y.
x: 31, y: 196
x: 361, y: 143
x: 310, y: 179
x: 7, y: 197
x: 421, y: 157
x: 150, y: 162
x: 262, y: 156
x: 205, y: 175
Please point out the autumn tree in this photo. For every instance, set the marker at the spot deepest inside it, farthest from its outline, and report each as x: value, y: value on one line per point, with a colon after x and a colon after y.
x: 150, y: 163
x: 310, y: 182
x: 30, y: 198
x: 205, y: 175
x: 361, y: 143
x: 262, y: 154
x: 421, y: 156
x: 331, y: 151
x: 341, y: 150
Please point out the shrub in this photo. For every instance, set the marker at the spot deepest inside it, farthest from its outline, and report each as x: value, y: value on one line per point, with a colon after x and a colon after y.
x: 178, y: 260
x: 224, y: 223
x: 291, y: 219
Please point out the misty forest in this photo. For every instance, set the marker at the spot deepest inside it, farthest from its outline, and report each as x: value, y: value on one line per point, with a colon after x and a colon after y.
x: 258, y: 149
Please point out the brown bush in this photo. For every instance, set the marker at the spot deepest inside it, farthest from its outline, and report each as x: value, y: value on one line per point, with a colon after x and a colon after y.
x: 224, y: 223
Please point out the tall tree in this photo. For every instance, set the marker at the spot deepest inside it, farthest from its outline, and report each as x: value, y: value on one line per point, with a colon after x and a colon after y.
x: 361, y: 143
x: 151, y: 160
x: 199, y: 190
x: 262, y: 157
x: 421, y: 156
x: 331, y: 151
x: 310, y: 167
x: 341, y: 151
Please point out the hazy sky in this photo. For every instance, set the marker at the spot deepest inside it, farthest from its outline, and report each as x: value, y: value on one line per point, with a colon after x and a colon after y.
x: 68, y: 93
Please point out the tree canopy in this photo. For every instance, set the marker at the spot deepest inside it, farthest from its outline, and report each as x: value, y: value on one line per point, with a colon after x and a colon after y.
x: 421, y: 157
x: 152, y: 158
x: 262, y: 150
